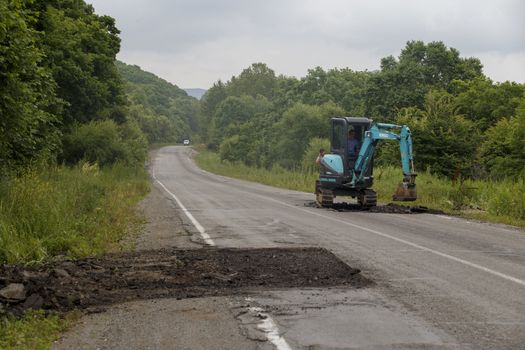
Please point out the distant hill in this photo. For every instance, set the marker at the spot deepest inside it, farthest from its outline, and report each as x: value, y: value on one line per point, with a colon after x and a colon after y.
x: 164, y: 112
x: 197, y: 93
x: 148, y: 89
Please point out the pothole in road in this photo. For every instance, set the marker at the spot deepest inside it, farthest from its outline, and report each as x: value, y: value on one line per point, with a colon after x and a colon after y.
x: 92, y: 283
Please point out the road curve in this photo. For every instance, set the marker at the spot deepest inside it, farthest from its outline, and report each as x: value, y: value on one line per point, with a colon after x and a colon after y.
x: 452, y: 283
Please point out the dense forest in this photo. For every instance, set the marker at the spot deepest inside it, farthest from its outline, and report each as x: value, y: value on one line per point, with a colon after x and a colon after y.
x: 64, y: 98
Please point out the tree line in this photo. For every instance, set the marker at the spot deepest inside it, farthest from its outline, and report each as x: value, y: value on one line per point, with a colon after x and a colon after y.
x: 65, y: 98
x: 463, y: 123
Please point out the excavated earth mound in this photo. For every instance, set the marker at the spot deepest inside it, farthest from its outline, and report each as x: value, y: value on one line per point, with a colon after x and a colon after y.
x: 92, y: 283
x: 389, y: 208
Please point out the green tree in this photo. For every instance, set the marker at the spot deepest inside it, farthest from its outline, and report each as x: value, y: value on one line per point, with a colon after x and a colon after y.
x: 444, y: 140
x: 80, y: 49
x: 231, y: 113
x: 344, y: 87
x: 298, y: 126
x: 156, y: 128
x: 419, y: 68
x: 503, y: 149
x: 209, y: 102
x: 187, y: 109
x: 28, y: 105
x: 255, y: 80
x: 485, y: 103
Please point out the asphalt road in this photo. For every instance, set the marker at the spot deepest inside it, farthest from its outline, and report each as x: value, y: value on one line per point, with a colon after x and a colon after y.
x: 440, y: 282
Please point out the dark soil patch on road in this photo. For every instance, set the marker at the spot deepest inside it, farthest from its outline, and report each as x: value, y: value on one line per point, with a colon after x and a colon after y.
x: 389, y: 208
x: 92, y: 283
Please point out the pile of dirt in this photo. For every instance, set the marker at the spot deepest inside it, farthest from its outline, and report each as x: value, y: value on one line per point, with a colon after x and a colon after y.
x: 403, y: 209
x: 389, y: 208
x: 94, y: 282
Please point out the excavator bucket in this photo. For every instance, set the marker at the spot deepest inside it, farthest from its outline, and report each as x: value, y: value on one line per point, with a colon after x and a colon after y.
x: 406, y: 190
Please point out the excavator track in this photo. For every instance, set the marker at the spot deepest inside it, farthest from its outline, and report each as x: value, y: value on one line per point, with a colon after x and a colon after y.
x: 367, y: 198
x: 323, y: 197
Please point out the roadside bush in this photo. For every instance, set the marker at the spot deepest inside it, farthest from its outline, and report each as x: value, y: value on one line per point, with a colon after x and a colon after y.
x: 503, y: 149
x: 135, y: 142
x: 231, y: 150
x: 105, y: 142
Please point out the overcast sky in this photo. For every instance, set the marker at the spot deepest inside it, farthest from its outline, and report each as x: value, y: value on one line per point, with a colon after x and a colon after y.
x: 193, y: 43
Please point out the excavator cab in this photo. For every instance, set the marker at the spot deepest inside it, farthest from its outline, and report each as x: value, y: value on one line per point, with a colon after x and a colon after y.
x: 338, y: 167
x: 346, y: 140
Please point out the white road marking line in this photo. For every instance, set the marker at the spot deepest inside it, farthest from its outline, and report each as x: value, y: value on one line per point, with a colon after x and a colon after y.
x: 436, y: 252
x: 207, y: 239
x: 443, y: 216
x: 496, y: 323
x: 269, y: 327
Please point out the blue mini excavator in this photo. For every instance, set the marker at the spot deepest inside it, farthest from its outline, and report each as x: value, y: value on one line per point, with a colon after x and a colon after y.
x: 348, y: 169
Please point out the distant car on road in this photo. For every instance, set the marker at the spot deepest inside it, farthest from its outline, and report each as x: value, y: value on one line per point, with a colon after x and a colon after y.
x: 186, y: 142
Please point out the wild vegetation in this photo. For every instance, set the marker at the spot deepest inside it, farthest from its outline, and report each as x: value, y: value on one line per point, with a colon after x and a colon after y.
x: 71, y: 211
x: 75, y: 126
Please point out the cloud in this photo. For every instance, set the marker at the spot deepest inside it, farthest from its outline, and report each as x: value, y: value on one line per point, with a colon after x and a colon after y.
x: 510, y: 66
x: 194, y: 43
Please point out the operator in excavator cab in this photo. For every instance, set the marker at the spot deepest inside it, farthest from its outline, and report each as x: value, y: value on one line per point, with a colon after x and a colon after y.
x: 353, y: 148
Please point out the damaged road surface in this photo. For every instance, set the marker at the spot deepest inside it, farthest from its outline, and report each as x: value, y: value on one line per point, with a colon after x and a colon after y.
x: 427, y: 281
x: 97, y: 282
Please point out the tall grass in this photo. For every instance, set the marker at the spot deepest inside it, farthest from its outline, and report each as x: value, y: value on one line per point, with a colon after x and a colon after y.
x: 34, y: 330
x: 73, y: 212
x: 502, y: 201
x: 277, y: 176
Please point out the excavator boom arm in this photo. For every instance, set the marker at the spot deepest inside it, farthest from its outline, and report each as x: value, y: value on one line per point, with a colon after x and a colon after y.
x: 381, y: 131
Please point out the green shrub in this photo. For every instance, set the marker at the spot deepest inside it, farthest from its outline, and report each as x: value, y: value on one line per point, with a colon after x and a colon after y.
x: 231, y: 149
x: 135, y: 142
x: 105, y: 142
x: 503, y: 149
